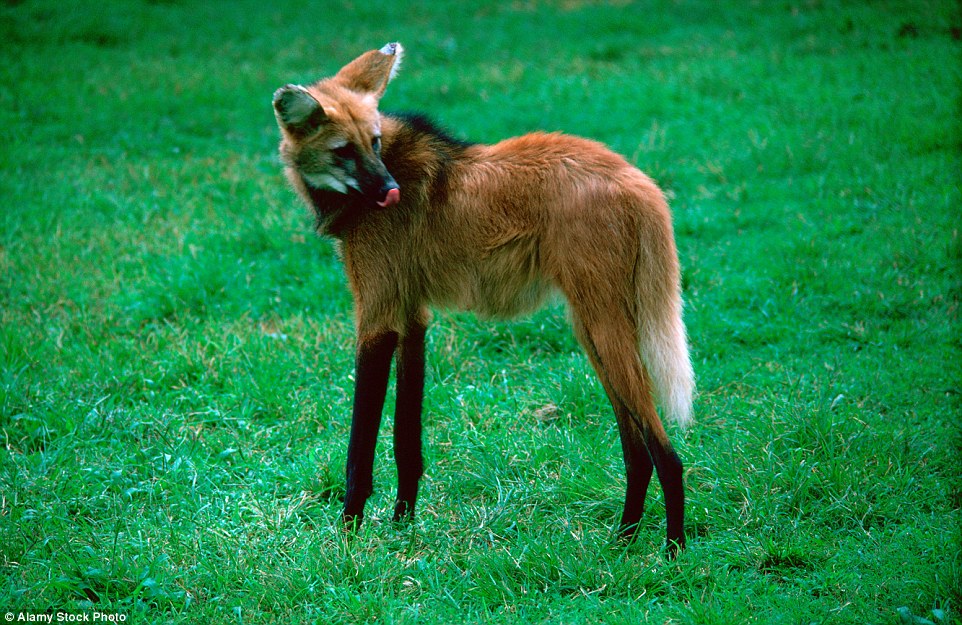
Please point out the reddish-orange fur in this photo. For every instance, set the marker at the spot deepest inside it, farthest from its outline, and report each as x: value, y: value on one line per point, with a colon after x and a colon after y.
x: 494, y: 229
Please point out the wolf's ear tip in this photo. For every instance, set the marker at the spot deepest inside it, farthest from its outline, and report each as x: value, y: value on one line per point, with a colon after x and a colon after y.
x: 280, y: 93
x: 392, y: 48
x: 284, y: 91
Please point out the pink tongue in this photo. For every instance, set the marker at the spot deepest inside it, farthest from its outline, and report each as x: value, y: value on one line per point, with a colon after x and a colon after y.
x: 393, y: 197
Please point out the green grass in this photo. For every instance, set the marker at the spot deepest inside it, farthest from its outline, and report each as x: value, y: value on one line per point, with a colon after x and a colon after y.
x: 176, y: 346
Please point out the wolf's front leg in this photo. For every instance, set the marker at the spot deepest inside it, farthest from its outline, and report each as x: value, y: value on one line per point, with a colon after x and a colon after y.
x: 407, y: 418
x: 374, y: 352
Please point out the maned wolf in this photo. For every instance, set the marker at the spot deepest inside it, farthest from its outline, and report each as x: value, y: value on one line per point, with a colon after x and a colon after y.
x: 426, y: 220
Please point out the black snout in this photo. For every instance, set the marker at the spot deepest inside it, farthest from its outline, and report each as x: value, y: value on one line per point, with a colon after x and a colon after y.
x: 377, y: 183
x: 390, y: 193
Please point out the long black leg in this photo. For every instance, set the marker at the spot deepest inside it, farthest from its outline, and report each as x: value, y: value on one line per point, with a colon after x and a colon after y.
x: 670, y: 474
x: 638, y: 465
x: 638, y: 469
x: 407, y: 419
x: 626, y: 383
x: 370, y: 386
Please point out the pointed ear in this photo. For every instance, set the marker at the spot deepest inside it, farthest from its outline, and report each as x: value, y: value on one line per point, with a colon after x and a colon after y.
x: 372, y: 71
x: 296, y: 109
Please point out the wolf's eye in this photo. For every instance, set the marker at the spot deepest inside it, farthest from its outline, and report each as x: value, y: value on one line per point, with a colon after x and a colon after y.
x: 344, y: 151
x: 376, y: 144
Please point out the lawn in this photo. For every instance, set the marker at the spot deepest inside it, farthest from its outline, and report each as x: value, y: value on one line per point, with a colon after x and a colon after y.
x: 176, y: 345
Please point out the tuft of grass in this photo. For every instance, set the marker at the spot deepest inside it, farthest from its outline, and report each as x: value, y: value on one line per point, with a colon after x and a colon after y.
x: 176, y: 346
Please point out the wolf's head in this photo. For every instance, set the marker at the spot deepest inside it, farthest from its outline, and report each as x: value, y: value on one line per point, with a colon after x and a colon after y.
x: 331, y: 130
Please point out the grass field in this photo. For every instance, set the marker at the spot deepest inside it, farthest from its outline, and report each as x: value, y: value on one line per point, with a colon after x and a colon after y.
x: 176, y: 346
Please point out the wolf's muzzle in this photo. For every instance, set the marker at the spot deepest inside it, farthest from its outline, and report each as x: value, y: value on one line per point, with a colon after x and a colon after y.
x: 390, y: 194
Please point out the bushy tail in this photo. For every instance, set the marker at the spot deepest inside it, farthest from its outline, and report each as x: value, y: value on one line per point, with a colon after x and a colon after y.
x: 664, y: 349
x: 661, y: 330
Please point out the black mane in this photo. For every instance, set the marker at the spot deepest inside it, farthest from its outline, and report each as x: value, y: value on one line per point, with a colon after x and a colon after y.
x: 423, y: 124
